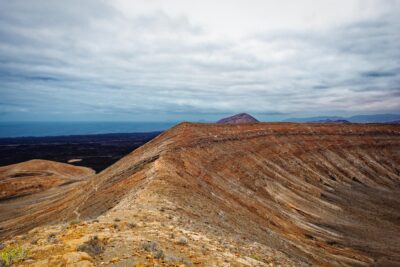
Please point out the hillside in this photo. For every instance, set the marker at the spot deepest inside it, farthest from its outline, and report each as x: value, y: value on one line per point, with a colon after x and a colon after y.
x: 374, y: 118
x: 331, y: 121
x: 244, y: 195
x: 36, y: 176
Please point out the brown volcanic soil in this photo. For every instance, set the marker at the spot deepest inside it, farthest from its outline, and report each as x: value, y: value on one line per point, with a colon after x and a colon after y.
x: 242, y: 195
x: 37, y: 191
x: 35, y: 176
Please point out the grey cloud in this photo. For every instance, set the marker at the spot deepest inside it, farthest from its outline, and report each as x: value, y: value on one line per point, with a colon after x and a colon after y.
x: 86, y: 57
x: 379, y: 74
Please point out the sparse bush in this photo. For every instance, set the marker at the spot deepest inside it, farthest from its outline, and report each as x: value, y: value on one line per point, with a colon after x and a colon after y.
x: 73, y: 222
x: 159, y: 254
x: 177, y: 260
x: 93, y: 247
x: 117, y: 220
x: 150, y: 246
x: 12, y: 254
x: 51, y: 238
x: 186, y: 262
x: 254, y: 256
x: 132, y: 225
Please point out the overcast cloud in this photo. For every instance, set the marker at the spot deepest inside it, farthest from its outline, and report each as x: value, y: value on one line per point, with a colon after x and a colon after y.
x: 179, y: 60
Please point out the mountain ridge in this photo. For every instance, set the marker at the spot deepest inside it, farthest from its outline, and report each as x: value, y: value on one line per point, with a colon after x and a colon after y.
x: 374, y: 118
x: 283, y: 186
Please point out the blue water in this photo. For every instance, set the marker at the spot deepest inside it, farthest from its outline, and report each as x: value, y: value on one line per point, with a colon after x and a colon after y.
x: 21, y: 129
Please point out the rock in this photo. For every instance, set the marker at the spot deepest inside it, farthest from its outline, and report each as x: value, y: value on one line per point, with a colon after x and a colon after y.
x: 182, y: 241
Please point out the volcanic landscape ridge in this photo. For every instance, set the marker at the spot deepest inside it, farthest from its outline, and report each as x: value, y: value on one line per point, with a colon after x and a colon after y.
x: 253, y: 194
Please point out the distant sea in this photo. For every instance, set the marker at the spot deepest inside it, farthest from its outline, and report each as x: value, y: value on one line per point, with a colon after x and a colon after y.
x: 25, y: 129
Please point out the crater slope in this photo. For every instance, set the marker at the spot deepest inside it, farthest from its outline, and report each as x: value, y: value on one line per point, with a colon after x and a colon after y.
x: 35, y: 176
x: 325, y: 193
x: 314, y: 194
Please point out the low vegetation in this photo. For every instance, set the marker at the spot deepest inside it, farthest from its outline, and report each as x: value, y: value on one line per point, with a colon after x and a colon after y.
x: 73, y: 222
x: 94, y: 246
x: 12, y: 254
x: 153, y: 247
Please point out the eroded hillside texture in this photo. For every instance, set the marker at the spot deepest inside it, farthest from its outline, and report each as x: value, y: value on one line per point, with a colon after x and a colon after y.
x: 262, y: 194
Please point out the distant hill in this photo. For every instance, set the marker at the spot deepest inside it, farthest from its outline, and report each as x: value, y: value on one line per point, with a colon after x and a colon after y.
x: 331, y: 121
x: 237, y: 119
x: 375, y: 118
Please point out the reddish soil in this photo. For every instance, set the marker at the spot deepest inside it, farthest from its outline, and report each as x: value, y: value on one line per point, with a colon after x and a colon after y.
x: 35, y: 176
x: 318, y: 194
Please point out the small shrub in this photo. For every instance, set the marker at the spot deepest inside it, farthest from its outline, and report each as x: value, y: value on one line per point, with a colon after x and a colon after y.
x: 12, y: 254
x: 73, y: 222
x: 159, y: 254
x: 51, y: 238
x: 150, y: 246
x: 186, y: 262
x: 93, y: 247
x: 254, y: 256
x: 132, y: 225
x: 178, y: 260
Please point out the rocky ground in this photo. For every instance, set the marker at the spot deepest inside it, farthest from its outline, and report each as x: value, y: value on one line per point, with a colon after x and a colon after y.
x: 158, y: 237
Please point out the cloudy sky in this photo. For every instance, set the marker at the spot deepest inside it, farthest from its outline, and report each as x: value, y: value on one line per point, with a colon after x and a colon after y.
x: 173, y: 60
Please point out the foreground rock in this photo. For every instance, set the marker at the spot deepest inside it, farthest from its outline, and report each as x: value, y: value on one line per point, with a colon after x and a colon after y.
x: 234, y: 195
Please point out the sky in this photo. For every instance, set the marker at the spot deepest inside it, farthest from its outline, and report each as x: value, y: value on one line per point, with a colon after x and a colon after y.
x: 175, y: 60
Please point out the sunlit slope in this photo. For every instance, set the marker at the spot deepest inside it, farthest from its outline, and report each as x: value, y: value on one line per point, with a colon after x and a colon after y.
x: 325, y: 194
